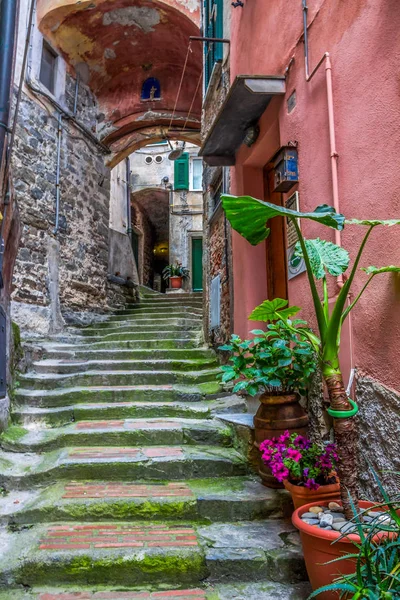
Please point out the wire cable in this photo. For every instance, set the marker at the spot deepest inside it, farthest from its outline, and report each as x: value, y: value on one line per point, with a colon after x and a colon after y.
x: 180, y: 84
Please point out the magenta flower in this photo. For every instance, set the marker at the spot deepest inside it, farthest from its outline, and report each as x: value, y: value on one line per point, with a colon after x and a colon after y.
x: 311, y: 485
x: 294, y: 454
x: 302, y: 442
x: 284, y: 437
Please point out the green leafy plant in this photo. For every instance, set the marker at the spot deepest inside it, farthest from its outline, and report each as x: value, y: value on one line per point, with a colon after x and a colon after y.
x: 175, y: 270
x: 280, y: 359
x: 376, y: 556
x: 249, y: 216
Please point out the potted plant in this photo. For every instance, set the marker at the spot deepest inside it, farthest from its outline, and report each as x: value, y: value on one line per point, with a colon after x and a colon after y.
x: 278, y: 363
x: 249, y: 217
x: 176, y: 273
x: 363, y: 560
x: 306, y: 469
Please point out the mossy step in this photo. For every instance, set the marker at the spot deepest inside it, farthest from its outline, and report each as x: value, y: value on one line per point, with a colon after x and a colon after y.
x: 61, y: 367
x: 119, y: 463
x: 53, y: 417
x: 212, y: 500
x: 157, y: 334
x: 145, y: 344
x: 239, y: 591
x: 151, y: 316
x: 137, y: 326
x: 48, y: 381
x: 128, y: 354
x: 132, y: 393
x: 121, y: 432
x: 140, y: 554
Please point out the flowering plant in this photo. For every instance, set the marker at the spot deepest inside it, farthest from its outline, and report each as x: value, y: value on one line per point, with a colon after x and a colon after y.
x: 295, y: 457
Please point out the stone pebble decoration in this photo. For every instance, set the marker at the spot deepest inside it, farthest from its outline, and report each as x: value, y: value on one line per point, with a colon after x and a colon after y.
x: 332, y: 518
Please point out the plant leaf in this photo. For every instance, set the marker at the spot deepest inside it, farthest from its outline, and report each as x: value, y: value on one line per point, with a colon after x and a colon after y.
x: 325, y: 256
x: 376, y: 270
x: 248, y: 216
x: 273, y: 310
x: 373, y: 222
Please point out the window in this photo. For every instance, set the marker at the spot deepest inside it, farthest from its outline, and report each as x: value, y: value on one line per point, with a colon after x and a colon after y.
x: 151, y: 89
x: 196, y: 174
x: 158, y: 159
x: 181, y: 172
x: 48, y: 64
x: 148, y: 160
x: 213, y: 27
x: 217, y: 190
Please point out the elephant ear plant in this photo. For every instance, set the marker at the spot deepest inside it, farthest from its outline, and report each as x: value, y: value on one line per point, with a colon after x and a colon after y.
x: 248, y: 216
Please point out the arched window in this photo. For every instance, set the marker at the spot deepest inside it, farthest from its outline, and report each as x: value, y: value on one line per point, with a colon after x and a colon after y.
x: 151, y: 89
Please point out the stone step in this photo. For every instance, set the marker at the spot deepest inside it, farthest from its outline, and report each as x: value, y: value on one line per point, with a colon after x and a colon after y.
x: 129, y: 393
x: 62, y: 367
x: 140, y: 554
x: 137, y: 325
x: 239, y: 591
x: 119, y: 432
x: 52, y: 417
x: 167, y: 343
x: 143, y: 314
x: 48, y: 381
x: 129, y: 354
x: 131, y: 335
x: 213, y: 500
x: 150, y: 463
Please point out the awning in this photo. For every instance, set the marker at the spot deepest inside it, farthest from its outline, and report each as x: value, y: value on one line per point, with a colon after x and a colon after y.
x: 247, y: 99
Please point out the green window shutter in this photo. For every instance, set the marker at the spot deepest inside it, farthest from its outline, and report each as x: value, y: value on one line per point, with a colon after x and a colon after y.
x: 181, y: 172
x: 218, y: 29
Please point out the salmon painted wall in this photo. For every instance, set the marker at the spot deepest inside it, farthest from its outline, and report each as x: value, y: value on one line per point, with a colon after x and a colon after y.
x: 363, y: 39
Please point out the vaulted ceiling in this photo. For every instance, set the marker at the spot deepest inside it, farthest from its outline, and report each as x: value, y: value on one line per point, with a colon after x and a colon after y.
x: 115, y: 45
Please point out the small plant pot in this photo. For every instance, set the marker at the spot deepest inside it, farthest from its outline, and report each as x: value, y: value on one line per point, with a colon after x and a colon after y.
x: 318, y: 549
x: 275, y: 415
x: 302, y: 495
x: 175, y: 283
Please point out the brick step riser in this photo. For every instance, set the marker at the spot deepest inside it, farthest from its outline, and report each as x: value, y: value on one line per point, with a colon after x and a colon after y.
x: 65, y: 369
x: 170, y: 470
x: 184, y: 354
x: 109, y: 438
x: 90, y: 396
x: 176, y: 508
x: 116, y: 379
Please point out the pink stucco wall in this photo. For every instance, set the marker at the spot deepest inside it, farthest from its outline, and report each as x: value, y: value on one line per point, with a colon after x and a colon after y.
x: 362, y: 37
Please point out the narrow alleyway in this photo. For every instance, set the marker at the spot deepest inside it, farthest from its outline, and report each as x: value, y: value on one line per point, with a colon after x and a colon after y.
x: 119, y: 481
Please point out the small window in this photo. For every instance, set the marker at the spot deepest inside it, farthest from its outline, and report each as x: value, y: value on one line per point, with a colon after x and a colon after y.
x: 196, y: 183
x: 217, y: 190
x: 151, y: 89
x: 48, y: 64
x: 158, y: 159
x: 148, y: 160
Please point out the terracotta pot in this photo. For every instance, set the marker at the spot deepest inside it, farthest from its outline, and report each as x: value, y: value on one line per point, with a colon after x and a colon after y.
x: 175, y: 282
x: 302, y: 495
x: 275, y: 415
x: 318, y: 549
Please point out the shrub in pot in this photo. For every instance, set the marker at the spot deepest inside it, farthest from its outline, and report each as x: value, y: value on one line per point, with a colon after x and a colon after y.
x: 176, y: 273
x: 306, y: 469
x: 277, y: 363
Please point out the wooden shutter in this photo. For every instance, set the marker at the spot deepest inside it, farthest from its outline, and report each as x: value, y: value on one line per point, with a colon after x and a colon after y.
x: 218, y: 29
x: 181, y: 172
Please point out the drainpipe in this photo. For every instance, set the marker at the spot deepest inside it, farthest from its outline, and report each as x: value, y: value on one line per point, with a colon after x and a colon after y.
x: 128, y: 198
x: 331, y: 121
x: 58, y: 169
x: 8, y: 19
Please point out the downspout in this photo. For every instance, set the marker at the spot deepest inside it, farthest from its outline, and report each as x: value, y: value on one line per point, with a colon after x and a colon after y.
x: 8, y: 19
x: 331, y: 121
x: 128, y: 199
x: 58, y: 169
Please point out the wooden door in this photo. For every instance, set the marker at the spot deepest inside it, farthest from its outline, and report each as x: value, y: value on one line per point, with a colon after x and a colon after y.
x: 276, y: 244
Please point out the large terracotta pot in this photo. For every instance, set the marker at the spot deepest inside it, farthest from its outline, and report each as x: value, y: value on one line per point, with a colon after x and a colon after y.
x: 302, y: 495
x: 318, y: 549
x: 175, y: 282
x: 275, y: 415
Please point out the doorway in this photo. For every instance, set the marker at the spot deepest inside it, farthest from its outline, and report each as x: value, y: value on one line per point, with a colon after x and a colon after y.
x: 197, y: 264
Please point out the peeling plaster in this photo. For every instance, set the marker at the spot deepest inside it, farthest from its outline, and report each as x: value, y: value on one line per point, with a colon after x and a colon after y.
x: 145, y: 18
x: 109, y: 53
x: 191, y: 5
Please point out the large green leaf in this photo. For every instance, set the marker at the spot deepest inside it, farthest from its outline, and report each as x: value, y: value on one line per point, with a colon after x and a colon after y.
x: 248, y: 216
x: 373, y: 222
x: 376, y: 270
x: 325, y: 257
x: 273, y: 310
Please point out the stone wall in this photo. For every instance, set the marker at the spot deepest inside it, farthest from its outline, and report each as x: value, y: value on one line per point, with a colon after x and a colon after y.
x: 67, y: 270
x: 379, y: 439
x: 142, y: 226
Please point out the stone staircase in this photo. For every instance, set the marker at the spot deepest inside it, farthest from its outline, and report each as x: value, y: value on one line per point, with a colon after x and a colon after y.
x: 121, y: 483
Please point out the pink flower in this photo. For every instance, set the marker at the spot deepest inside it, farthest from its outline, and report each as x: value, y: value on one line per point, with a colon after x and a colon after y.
x: 280, y: 472
x: 302, y: 442
x: 283, y: 438
x: 294, y: 454
x: 311, y: 485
